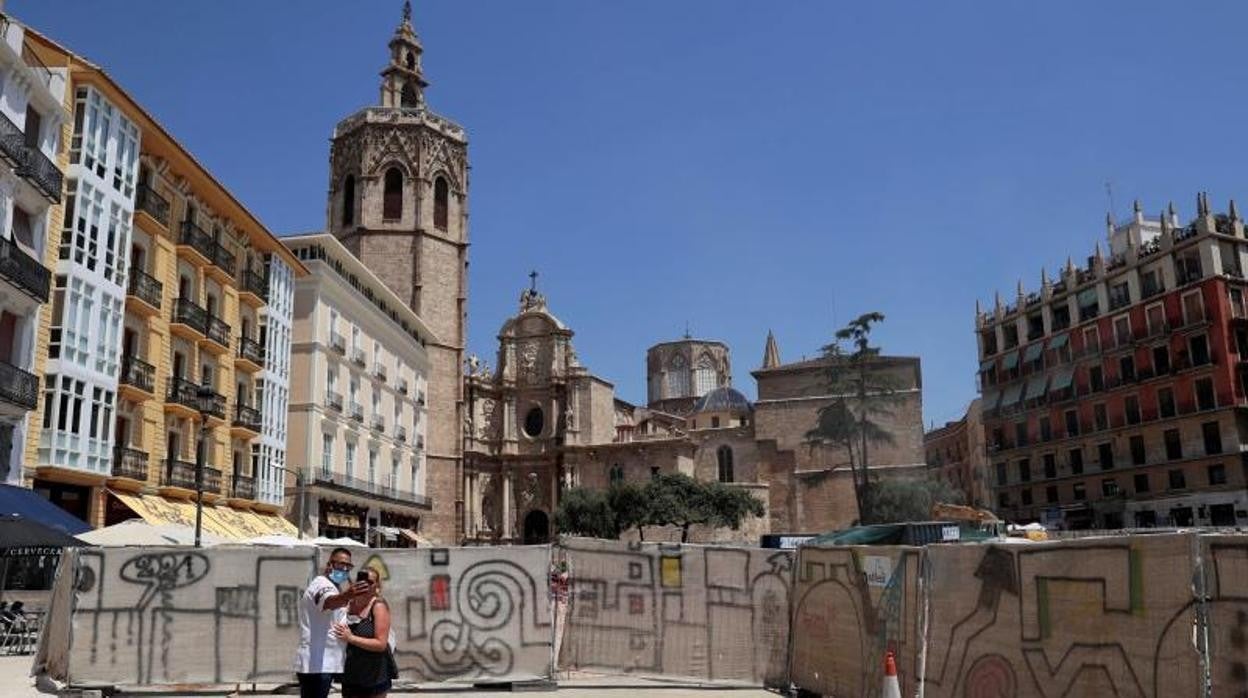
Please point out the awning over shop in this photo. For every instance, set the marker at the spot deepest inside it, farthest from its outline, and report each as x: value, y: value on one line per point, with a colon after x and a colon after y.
x: 1063, y: 378
x: 1011, y: 361
x: 31, y: 505
x: 388, y: 532
x: 1012, y: 394
x: 222, y: 521
x: 1059, y: 341
x: 1035, y: 387
x: 1033, y: 352
x: 416, y: 537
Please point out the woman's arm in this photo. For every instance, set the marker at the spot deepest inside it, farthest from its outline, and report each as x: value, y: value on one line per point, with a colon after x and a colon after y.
x: 381, y: 626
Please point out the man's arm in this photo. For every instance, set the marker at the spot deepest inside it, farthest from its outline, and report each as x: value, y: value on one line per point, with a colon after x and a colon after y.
x: 326, y: 600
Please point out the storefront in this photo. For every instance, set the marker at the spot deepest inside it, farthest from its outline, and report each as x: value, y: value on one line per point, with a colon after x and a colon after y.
x: 341, y: 520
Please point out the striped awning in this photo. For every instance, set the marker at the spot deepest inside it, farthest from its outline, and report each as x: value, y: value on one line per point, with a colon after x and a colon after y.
x: 1033, y: 352
x: 1012, y: 395
x: 1059, y: 341
x: 1011, y: 361
x: 1036, y: 387
x: 1063, y: 378
x: 219, y: 520
x: 991, y: 397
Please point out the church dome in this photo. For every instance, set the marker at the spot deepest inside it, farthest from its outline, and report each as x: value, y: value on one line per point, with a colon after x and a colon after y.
x: 723, y: 400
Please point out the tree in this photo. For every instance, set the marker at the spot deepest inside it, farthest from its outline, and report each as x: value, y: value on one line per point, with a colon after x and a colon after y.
x: 854, y: 374
x: 631, y: 508
x: 675, y: 499
x: 894, y: 500
x: 586, y: 512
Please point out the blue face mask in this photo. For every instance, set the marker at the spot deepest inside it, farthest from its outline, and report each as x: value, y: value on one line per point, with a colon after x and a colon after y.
x: 339, y: 577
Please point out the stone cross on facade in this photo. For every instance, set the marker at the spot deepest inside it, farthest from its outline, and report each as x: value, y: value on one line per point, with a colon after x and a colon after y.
x: 533, y: 281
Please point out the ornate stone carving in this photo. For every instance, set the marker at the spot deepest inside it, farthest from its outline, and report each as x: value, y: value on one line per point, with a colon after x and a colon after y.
x: 527, y: 353
x: 489, y: 417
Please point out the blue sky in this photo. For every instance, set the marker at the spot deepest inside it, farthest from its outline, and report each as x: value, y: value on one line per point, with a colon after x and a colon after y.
x: 737, y: 166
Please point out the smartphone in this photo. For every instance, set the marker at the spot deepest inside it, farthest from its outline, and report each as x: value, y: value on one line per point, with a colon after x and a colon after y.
x: 362, y: 576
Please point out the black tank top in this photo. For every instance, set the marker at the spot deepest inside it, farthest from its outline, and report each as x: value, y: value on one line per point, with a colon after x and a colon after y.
x: 363, y: 668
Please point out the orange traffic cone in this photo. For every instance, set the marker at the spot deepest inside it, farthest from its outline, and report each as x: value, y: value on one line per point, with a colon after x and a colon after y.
x: 892, y: 689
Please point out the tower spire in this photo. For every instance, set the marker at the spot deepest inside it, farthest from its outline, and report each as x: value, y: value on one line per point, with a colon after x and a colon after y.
x: 771, y: 354
x: 402, y: 80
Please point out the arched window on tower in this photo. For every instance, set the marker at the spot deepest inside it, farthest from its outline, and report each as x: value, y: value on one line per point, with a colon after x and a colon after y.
x: 724, y: 454
x: 410, y: 61
x: 407, y: 96
x: 392, y: 204
x: 441, y: 202
x: 704, y: 376
x: 348, y: 200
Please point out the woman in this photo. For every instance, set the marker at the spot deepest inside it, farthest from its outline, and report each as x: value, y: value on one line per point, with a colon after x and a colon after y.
x: 368, y: 668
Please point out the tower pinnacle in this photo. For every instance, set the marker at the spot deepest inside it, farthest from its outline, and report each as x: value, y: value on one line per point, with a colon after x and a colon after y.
x: 771, y: 354
x: 402, y: 81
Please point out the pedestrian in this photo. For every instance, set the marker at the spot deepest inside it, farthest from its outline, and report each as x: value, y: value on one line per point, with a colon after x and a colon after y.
x: 320, y: 654
x: 370, y: 666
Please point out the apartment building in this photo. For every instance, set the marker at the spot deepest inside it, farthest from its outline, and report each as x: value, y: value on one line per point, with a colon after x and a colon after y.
x: 166, y: 341
x: 358, y: 417
x: 955, y: 454
x: 32, y: 115
x: 1114, y: 395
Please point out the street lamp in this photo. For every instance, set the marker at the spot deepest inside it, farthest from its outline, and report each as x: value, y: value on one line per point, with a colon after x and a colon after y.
x: 303, y: 493
x: 204, y: 397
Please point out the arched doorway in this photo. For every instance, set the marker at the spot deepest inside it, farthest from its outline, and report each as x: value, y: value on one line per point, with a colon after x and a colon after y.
x: 536, y: 528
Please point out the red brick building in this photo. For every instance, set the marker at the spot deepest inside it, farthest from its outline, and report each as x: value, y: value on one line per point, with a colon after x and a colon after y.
x: 1114, y: 396
x: 956, y: 454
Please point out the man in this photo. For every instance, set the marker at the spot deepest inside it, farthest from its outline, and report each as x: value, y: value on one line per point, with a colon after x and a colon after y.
x: 324, y: 603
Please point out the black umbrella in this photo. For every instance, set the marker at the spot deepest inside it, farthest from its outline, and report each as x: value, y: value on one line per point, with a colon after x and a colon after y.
x: 22, y: 536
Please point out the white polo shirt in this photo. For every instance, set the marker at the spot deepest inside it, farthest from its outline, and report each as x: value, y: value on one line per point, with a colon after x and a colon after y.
x: 319, y: 652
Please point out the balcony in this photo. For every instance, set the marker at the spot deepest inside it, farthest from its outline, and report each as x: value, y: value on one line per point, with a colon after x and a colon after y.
x: 333, y: 401
x: 180, y: 473
x: 337, y: 342
x: 243, y: 487
x: 378, y: 423
x: 196, y: 243
x: 378, y: 489
x: 23, y: 271
x: 400, y: 433
x: 420, y: 443
x: 29, y: 162
x: 379, y: 370
x: 224, y: 260
x: 17, y: 389
x: 403, y: 386
x: 145, y: 291
x: 420, y: 398
x: 192, y: 399
x: 189, y: 320
x: 250, y: 354
x: 130, y: 463
x: 138, y: 378
x: 146, y: 200
x: 357, y: 412
x: 357, y: 357
x: 217, y: 336
x: 253, y: 287
x: 247, y: 421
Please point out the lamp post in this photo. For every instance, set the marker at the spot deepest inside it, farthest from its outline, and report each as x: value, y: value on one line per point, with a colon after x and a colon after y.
x: 303, y: 493
x: 204, y: 396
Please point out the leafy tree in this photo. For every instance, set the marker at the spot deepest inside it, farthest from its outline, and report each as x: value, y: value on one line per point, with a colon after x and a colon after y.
x: 586, y: 512
x: 631, y: 508
x: 676, y: 499
x: 853, y: 421
x: 894, y: 500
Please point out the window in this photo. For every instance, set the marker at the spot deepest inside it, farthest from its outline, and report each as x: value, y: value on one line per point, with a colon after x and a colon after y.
x: 355, y: 391
x: 714, y: 422
x: 1199, y: 346
x: 331, y: 378
x: 1213, y: 438
x: 1050, y: 494
x: 1003, y: 500
x: 704, y: 376
x: 348, y: 200
x: 1061, y: 316
x: 1096, y: 378
x: 1237, y: 303
x: 1050, y: 465
x: 654, y: 472
x: 1046, y: 429
x: 1026, y: 497
x: 1174, y: 445
x: 678, y: 377
x: 1177, y: 480
x: 1024, y: 470
x: 349, y: 461
x: 1126, y: 368
x: 534, y: 422
x: 1119, y: 296
x: 441, y: 203
x: 1139, y: 454
x: 1217, y: 474
x: 1091, y: 340
x: 1141, y: 482
x: 1131, y: 408
x: 1193, y: 308
x: 1105, y: 454
x: 1076, y: 460
x: 724, y: 456
x: 1072, y: 423
x: 616, y: 474
x: 1079, y: 492
x: 1165, y: 402
x: 1187, y: 268
x: 1020, y: 434
x: 392, y: 201
x: 1101, y: 416
x: 1001, y: 473
x: 1161, y: 360
x: 1155, y: 315
x: 1089, y: 304
x: 1109, y: 487
x: 327, y: 454
x: 372, y: 466
x: 1122, y: 329
x: 1205, y: 399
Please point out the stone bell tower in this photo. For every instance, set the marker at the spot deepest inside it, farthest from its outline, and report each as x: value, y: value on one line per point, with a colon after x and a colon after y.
x: 398, y: 199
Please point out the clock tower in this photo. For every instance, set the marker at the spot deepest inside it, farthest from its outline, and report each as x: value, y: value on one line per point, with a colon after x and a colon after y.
x: 398, y: 199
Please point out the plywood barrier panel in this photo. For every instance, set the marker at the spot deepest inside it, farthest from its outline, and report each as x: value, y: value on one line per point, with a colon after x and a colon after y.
x: 710, y: 613
x: 1095, y: 617
x: 1225, y: 559
x: 852, y: 604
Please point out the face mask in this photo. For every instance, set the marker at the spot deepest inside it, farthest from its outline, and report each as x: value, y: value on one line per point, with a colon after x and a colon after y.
x: 339, y: 577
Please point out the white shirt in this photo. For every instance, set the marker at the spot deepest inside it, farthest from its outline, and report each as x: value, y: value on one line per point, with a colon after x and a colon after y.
x: 319, y: 652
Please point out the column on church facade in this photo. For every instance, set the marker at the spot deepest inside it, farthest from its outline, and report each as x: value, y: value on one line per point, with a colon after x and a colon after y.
x: 508, y: 531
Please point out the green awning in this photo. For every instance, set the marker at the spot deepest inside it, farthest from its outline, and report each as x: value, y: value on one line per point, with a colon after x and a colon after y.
x: 1012, y: 394
x: 1059, y: 341
x: 1035, y: 387
x: 1033, y: 352
x: 1011, y: 361
x: 991, y: 397
x: 987, y: 365
x: 1063, y: 378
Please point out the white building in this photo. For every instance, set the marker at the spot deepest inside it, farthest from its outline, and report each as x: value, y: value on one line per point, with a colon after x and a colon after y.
x: 357, y: 412
x: 31, y: 117
x: 273, y: 385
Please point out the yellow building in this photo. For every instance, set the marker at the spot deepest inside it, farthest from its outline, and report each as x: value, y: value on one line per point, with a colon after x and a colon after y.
x: 170, y: 321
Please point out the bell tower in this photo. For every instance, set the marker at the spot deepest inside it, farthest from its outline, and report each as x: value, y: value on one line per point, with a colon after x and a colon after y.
x: 398, y: 199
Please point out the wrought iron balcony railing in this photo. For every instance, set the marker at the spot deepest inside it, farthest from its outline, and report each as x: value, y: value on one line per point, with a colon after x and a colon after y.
x: 185, y: 312
x: 372, y: 487
x: 337, y: 342
x: 180, y: 473
x: 145, y: 287
x: 197, y: 239
x: 18, y: 387
x: 251, y: 350
x: 244, y: 487
x: 199, y: 398
x: 254, y: 282
x: 148, y: 200
x: 400, y: 433
x: 223, y: 258
x: 130, y: 462
x: 138, y: 373
x: 357, y: 412
x: 23, y: 271
x: 378, y: 423
x: 247, y: 417
x: 29, y: 162
x: 218, y: 331
x: 333, y: 400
